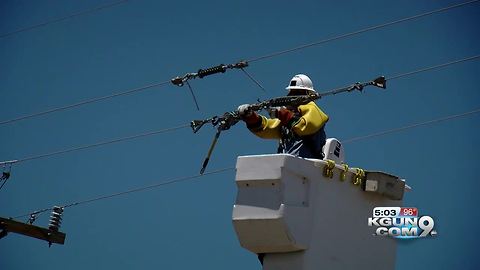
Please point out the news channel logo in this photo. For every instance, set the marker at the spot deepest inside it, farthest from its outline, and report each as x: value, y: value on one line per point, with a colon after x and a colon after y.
x: 401, y: 223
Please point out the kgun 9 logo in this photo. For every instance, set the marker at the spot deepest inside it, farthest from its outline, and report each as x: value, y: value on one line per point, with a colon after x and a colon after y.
x: 401, y: 222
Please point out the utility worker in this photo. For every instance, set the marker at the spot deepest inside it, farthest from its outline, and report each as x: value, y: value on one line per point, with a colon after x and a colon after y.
x: 300, y: 130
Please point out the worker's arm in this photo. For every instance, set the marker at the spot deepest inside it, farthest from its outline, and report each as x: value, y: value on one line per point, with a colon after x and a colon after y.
x: 260, y: 125
x: 266, y: 128
x: 310, y: 121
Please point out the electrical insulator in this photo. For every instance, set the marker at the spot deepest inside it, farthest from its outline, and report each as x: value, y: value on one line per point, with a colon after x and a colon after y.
x: 55, y: 218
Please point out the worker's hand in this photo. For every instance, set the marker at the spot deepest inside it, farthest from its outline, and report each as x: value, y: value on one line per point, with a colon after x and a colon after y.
x: 244, y: 110
x: 248, y: 115
x: 285, y: 115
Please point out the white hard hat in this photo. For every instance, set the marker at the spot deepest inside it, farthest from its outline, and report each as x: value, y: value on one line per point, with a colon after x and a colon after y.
x: 302, y: 82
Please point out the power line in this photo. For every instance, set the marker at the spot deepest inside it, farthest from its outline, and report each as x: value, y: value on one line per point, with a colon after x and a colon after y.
x: 406, y: 74
x: 180, y: 179
x: 252, y: 60
x: 389, y: 131
x: 410, y: 73
x: 368, y: 29
x: 150, y: 133
x: 84, y: 12
x: 446, y: 118
x: 88, y: 101
x: 403, y: 75
x: 139, y: 189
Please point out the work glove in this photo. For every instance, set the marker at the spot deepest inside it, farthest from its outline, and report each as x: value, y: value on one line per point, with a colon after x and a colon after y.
x: 244, y: 110
x: 286, y: 116
x: 246, y: 114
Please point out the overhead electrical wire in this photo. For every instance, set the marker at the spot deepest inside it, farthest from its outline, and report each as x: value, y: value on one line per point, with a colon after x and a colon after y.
x: 92, y: 100
x: 102, y: 143
x: 364, y: 30
x: 155, y: 132
x: 77, y: 14
x: 394, y: 130
x: 175, y: 180
x: 84, y: 102
x: 180, y: 179
x: 138, y: 189
x: 376, y: 134
x: 406, y: 74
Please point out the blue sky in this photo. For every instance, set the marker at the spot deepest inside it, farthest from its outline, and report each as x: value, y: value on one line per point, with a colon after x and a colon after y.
x: 188, y: 225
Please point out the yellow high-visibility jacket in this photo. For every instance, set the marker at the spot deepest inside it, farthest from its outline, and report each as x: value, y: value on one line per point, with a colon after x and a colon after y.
x: 311, y: 120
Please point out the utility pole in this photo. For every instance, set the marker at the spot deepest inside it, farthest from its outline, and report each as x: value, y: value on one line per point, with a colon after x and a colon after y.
x: 50, y: 234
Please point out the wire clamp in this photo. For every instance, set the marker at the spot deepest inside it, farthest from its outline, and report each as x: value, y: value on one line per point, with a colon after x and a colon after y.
x: 32, y: 218
x: 180, y: 81
x: 357, y: 86
x: 6, y: 173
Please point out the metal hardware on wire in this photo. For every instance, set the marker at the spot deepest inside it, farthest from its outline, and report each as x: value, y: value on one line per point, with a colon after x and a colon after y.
x: 5, y: 174
x: 181, y: 81
x: 32, y: 218
x: 8, y: 162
